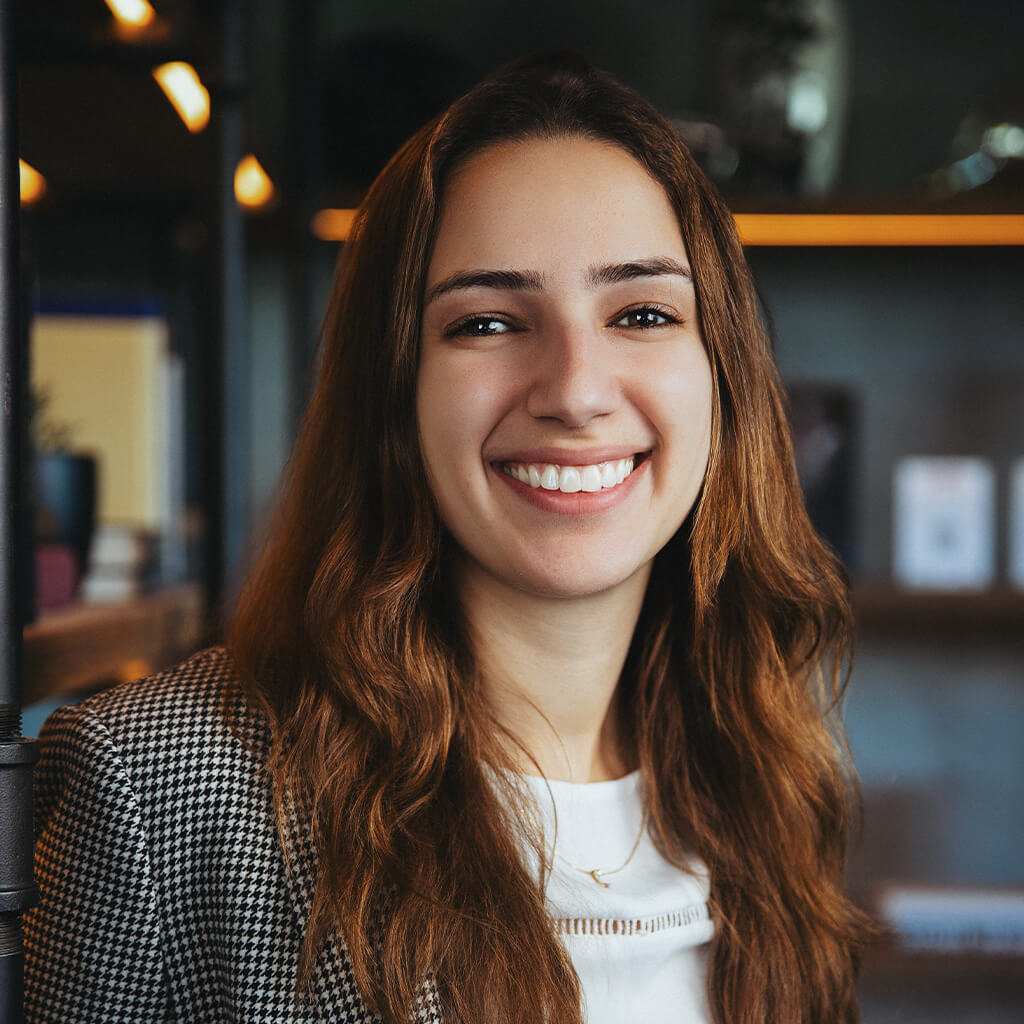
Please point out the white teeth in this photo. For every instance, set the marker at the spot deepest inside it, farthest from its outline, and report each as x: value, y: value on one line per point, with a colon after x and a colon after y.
x: 590, y: 478
x: 571, y: 479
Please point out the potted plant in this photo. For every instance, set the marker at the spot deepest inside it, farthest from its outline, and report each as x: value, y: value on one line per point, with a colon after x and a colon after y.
x: 64, y: 504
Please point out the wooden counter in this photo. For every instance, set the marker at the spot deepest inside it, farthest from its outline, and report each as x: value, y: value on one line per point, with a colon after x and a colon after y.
x: 86, y: 646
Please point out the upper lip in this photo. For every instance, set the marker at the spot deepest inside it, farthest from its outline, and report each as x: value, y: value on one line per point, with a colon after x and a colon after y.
x: 570, y: 456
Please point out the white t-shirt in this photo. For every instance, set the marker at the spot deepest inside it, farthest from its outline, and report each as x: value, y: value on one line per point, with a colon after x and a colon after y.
x: 640, y: 945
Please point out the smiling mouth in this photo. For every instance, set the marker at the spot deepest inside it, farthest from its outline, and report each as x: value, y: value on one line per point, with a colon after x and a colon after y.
x: 547, y: 476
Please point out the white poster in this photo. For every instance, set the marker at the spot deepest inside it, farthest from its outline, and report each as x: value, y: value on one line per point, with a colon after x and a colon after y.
x: 944, y: 511
x: 1017, y: 524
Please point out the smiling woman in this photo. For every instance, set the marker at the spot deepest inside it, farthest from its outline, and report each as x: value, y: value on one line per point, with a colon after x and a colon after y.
x: 528, y: 711
x: 562, y: 326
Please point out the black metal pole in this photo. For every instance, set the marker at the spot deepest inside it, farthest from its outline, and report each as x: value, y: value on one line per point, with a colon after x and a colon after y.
x: 302, y: 164
x: 17, y: 755
x: 229, y: 121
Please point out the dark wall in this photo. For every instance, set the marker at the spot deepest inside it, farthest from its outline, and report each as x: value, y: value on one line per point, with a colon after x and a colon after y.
x: 916, y: 68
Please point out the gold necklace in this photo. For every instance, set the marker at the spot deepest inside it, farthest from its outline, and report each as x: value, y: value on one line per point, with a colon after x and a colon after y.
x: 599, y: 874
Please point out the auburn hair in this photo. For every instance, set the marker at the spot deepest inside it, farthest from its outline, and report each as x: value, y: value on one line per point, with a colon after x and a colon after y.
x: 349, y: 636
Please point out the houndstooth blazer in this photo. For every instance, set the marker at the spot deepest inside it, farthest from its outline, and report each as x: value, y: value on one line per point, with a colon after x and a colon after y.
x: 164, y: 889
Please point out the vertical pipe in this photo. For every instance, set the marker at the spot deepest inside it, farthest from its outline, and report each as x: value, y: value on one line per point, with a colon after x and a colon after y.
x: 303, y: 164
x: 234, y: 348
x: 10, y: 354
x: 17, y: 755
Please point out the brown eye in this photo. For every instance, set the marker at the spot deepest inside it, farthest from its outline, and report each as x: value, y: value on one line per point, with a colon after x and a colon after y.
x: 483, y: 326
x: 477, y: 327
x: 644, y: 317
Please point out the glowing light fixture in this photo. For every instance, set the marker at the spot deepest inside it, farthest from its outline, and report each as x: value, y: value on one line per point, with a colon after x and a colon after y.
x: 1005, y: 141
x: 253, y: 187
x: 189, y: 97
x: 334, y: 225
x: 817, y: 228
x: 133, y: 13
x: 880, y: 229
x: 32, y: 183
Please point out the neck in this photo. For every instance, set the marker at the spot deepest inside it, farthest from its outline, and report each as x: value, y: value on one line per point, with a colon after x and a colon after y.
x: 551, y: 669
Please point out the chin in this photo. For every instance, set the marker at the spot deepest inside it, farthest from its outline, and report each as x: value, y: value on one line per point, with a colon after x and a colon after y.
x: 567, y: 584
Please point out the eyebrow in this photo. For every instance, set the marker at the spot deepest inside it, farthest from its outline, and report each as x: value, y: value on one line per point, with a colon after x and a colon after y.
x: 531, y: 281
x: 504, y: 280
x: 656, y: 266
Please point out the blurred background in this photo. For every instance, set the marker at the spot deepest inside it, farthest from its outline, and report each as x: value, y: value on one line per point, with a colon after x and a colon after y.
x: 190, y: 168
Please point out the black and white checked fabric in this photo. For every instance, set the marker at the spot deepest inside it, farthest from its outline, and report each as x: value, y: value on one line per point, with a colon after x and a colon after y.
x: 165, y: 892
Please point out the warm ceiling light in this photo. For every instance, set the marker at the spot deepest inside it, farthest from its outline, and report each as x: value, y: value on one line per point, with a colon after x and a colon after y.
x: 333, y: 225
x: 880, y: 229
x: 33, y: 184
x: 180, y: 82
x: 133, y: 13
x: 253, y: 188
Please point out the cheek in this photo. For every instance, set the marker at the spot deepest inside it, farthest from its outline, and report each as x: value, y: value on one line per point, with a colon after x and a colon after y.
x: 451, y: 429
x: 428, y: 423
x: 428, y: 395
x: 459, y: 401
x: 701, y: 404
x: 684, y: 405
x: 680, y: 400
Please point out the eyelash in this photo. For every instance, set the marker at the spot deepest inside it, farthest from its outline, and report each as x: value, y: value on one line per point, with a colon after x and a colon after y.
x: 464, y: 328
x: 469, y: 326
x: 668, y: 318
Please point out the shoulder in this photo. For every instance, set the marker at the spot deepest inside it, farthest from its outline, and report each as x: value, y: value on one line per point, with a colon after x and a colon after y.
x: 164, y: 889
x: 193, y: 693
x: 194, y: 699
x: 187, y: 730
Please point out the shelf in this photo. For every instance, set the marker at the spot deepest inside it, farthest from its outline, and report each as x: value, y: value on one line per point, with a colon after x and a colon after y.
x: 890, y: 962
x: 816, y: 229
x: 81, y: 647
x: 872, y: 229
x: 896, y: 985
x: 885, y: 608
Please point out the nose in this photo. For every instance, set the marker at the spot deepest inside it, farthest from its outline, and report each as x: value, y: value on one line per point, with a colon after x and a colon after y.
x: 573, y: 379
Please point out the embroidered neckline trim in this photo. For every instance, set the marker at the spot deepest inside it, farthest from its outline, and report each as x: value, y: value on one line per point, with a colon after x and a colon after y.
x: 633, y: 926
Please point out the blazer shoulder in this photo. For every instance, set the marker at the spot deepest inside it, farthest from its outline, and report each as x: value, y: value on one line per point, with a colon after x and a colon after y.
x: 192, y: 723
x: 198, y: 697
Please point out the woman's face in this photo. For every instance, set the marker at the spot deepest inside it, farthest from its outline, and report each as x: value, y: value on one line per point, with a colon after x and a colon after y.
x: 564, y: 393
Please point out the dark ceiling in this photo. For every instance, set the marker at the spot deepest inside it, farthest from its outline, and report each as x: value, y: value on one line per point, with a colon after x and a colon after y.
x: 97, y: 126
x: 93, y: 120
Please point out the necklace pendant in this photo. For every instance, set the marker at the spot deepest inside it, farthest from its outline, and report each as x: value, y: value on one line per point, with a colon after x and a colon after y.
x: 595, y: 874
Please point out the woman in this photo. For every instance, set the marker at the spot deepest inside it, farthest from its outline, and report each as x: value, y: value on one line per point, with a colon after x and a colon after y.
x: 528, y: 711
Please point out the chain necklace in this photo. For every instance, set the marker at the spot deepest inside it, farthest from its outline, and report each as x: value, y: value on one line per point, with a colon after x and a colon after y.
x: 599, y: 874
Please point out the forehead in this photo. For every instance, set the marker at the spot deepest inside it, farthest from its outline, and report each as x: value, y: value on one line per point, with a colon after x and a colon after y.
x: 547, y: 203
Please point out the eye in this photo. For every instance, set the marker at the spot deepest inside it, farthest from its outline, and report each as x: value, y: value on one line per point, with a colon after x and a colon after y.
x: 477, y: 327
x: 645, y: 317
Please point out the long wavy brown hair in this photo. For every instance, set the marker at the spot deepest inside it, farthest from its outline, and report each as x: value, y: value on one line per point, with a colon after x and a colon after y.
x: 349, y: 636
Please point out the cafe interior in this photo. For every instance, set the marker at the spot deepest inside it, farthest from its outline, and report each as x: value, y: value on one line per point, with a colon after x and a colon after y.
x: 189, y: 174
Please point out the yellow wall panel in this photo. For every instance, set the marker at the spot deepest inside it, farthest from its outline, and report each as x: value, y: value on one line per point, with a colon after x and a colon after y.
x: 106, y: 378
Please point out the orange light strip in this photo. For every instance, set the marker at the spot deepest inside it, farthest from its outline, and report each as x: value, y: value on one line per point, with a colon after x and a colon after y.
x: 819, y: 228
x: 333, y: 225
x: 880, y: 229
